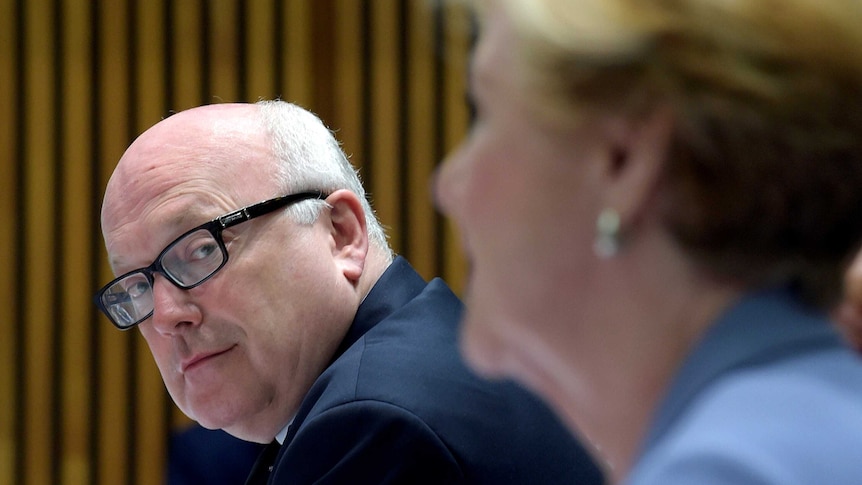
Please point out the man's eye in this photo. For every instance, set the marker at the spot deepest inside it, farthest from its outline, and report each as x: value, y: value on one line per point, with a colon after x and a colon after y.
x: 203, y: 252
x: 138, y: 289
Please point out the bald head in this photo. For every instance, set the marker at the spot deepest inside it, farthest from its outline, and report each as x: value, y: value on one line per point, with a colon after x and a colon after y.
x: 221, y: 145
x: 225, y: 156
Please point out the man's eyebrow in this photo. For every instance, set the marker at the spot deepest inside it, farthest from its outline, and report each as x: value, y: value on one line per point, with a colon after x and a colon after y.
x: 186, y: 220
x: 179, y: 222
x: 192, y: 214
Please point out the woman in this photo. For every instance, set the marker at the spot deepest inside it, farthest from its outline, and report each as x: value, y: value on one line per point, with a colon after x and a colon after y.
x: 658, y: 200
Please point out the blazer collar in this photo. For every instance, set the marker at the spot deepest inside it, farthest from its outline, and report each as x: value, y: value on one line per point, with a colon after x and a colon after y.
x: 761, y: 327
x: 399, y: 284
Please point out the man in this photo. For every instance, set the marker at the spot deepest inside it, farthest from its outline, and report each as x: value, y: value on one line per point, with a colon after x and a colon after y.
x: 287, y: 319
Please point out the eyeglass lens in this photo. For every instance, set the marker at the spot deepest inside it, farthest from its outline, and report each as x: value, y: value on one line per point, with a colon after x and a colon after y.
x: 187, y: 262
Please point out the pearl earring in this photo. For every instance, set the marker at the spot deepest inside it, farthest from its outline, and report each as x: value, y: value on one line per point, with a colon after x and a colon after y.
x: 607, y: 243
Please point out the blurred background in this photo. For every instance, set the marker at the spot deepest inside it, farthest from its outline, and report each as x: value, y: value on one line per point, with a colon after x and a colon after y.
x: 80, y: 402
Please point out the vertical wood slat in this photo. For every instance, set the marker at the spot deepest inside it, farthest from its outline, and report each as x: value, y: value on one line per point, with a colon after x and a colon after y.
x: 294, y: 53
x: 187, y: 52
x: 260, y: 51
x: 39, y: 185
x: 77, y: 190
x: 223, y: 50
x: 151, y: 104
x: 348, y: 71
x: 79, y: 401
x: 9, y: 315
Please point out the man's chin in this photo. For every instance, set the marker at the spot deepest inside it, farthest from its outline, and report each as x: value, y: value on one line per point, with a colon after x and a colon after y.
x: 210, y: 415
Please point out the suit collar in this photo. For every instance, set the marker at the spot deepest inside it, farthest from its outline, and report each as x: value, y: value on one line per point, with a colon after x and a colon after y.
x: 395, y: 288
x: 399, y: 284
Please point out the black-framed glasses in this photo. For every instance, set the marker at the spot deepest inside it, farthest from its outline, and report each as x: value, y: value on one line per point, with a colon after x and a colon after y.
x: 187, y: 262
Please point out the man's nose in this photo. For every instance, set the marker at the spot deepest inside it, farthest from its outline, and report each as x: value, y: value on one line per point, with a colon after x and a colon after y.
x: 173, y: 307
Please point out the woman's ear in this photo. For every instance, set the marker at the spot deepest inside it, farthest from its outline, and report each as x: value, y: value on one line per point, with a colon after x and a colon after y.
x: 638, y: 151
x: 348, y: 231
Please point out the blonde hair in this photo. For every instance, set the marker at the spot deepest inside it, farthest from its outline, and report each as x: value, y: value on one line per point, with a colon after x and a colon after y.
x: 765, y: 167
x: 611, y: 53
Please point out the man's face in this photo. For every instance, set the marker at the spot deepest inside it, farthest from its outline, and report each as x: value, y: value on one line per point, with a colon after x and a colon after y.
x: 241, y: 350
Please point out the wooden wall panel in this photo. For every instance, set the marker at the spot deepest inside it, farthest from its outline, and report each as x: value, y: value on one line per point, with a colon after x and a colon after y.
x: 348, y: 53
x: 293, y: 59
x: 223, y: 52
x: 72, y: 438
x: 186, y: 41
x: 82, y: 403
x: 39, y: 257
x: 259, y: 77
x: 149, y: 63
x: 9, y: 193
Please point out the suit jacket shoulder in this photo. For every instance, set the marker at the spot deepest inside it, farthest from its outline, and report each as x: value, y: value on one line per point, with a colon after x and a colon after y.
x: 398, y: 405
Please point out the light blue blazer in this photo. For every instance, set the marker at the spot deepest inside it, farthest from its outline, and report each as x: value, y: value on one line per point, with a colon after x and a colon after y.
x: 771, y: 395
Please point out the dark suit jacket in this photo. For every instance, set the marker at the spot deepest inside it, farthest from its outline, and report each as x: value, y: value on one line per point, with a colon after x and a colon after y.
x: 199, y: 456
x: 398, y: 406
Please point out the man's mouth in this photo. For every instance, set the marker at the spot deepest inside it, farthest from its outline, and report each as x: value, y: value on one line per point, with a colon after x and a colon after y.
x: 199, y: 359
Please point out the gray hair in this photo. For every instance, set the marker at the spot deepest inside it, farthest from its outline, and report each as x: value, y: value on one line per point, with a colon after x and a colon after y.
x: 310, y: 158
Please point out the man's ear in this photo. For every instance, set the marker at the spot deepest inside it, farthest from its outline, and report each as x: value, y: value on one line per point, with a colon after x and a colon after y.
x: 348, y: 231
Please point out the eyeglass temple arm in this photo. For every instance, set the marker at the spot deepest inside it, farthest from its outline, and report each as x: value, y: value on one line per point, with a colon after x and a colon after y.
x: 250, y: 212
